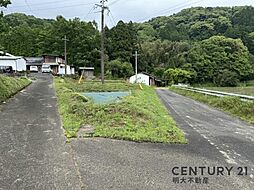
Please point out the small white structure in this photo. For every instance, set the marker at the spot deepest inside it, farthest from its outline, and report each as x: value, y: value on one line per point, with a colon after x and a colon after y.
x: 141, y: 78
x: 61, y: 70
x: 17, y: 63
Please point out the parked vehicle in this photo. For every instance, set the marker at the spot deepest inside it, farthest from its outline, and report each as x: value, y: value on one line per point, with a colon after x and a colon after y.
x: 46, y: 69
x: 34, y: 69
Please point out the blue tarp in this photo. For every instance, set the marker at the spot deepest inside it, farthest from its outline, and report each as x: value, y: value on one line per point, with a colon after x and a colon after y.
x: 105, y: 97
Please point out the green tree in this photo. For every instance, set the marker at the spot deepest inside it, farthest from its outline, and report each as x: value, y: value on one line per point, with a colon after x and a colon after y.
x: 175, y: 76
x: 4, y: 3
x: 216, y: 54
x: 119, y: 69
x: 122, y: 41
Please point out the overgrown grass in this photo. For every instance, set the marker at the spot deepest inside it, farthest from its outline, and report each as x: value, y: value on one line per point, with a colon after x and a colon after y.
x: 138, y: 117
x: 10, y: 86
x: 238, y: 90
x: 235, y: 106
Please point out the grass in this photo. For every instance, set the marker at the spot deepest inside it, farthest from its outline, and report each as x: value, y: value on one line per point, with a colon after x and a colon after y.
x: 138, y: 117
x: 10, y: 86
x: 238, y: 90
x: 234, y: 106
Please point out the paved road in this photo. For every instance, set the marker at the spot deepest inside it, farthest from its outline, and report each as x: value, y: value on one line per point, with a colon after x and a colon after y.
x: 213, y: 141
x: 33, y: 152
x: 34, y: 155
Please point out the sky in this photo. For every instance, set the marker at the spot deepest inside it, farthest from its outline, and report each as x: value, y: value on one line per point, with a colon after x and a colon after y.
x: 126, y: 10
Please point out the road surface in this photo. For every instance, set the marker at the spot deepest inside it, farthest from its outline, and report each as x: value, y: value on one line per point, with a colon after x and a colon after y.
x: 34, y: 154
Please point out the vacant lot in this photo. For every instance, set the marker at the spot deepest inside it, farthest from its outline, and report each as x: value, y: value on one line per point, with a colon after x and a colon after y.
x: 138, y: 117
x: 10, y: 86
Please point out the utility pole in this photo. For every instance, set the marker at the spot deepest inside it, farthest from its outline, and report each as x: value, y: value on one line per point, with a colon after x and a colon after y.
x: 103, y: 8
x: 136, y: 64
x: 65, y: 53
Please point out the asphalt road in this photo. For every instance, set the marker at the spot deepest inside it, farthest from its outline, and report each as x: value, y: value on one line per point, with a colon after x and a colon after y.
x: 34, y: 155
x: 33, y: 152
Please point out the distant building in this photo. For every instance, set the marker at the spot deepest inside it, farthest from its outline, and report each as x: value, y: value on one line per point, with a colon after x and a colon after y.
x: 88, y: 72
x: 70, y: 70
x: 147, y: 79
x: 54, y: 61
x: 17, y: 63
x: 34, y: 61
x: 143, y: 78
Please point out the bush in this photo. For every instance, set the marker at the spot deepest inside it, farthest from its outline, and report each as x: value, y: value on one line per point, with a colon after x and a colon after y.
x: 227, y: 79
x: 120, y: 69
x: 176, y: 76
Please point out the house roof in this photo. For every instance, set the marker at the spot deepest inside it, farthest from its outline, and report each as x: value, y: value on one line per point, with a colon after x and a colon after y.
x: 86, y: 68
x: 51, y: 64
x: 34, y: 60
x: 8, y: 56
x: 53, y: 55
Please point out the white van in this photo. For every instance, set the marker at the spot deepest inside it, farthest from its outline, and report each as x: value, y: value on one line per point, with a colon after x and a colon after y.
x: 34, y: 69
x: 45, y: 69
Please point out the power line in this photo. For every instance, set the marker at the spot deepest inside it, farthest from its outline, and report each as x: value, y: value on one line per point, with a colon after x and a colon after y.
x: 111, y: 17
x: 37, y: 4
x: 67, y: 6
x: 29, y: 7
x: 170, y: 9
x: 114, y: 2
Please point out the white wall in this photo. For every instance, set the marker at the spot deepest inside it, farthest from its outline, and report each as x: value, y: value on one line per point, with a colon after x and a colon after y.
x: 20, y: 64
x: 141, y: 78
x: 62, y: 70
x: 8, y: 63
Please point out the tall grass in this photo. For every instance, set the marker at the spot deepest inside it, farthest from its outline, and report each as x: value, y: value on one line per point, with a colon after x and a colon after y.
x: 138, y: 117
x: 10, y: 86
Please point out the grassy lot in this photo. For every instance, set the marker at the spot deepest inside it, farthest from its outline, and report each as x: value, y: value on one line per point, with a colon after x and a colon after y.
x: 138, y: 117
x: 10, y: 86
x: 238, y: 90
x: 234, y: 106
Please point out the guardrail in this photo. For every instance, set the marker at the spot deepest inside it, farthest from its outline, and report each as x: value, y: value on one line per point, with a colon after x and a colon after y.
x: 216, y: 93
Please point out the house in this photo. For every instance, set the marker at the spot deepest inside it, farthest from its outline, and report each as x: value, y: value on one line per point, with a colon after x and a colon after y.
x: 147, y: 79
x: 143, y: 78
x: 54, y: 61
x: 17, y: 63
x: 88, y: 72
x: 34, y: 61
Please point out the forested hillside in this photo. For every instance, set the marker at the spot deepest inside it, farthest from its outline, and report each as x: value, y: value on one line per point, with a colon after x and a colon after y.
x: 196, y: 45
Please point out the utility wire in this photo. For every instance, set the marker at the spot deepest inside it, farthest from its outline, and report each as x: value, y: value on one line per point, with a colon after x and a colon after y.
x: 114, y: 2
x: 170, y: 9
x: 37, y: 4
x: 29, y: 7
x: 112, y: 18
x: 67, y: 6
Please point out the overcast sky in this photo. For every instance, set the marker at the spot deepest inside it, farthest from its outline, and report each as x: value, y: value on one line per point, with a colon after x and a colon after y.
x: 126, y: 10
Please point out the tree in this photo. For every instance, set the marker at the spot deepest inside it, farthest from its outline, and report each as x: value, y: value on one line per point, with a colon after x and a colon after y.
x: 122, y: 41
x: 4, y: 3
x: 209, y: 57
x: 119, y: 69
x: 175, y: 76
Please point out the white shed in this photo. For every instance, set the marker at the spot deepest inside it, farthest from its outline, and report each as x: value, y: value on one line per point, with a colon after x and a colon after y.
x: 17, y: 63
x: 141, y: 78
x: 70, y: 70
